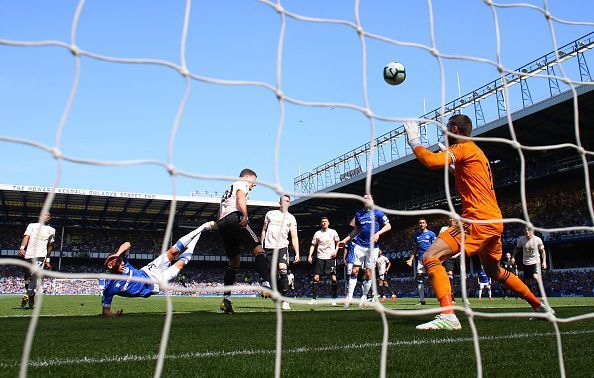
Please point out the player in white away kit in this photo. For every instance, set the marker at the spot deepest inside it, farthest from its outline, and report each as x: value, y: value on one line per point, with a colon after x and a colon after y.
x: 532, y: 246
x: 362, y: 236
x: 326, y: 241
x: 36, y: 248
x: 383, y: 264
x: 236, y: 231
x: 278, y: 224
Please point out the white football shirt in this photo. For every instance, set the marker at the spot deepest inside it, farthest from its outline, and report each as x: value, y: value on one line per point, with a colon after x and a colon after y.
x: 326, y: 242
x: 530, y: 248
x: 40, y: 235
x: 229, y: 199
x: 278, y: 225
x: 382, y: 263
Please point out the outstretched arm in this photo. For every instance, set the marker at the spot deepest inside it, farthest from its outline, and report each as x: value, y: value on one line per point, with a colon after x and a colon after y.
x: 125, y: 247
x: 433, y: 160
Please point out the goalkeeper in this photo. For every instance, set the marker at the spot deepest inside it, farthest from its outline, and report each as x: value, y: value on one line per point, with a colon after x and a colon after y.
x: 474, y: 181
x: 159, y: 269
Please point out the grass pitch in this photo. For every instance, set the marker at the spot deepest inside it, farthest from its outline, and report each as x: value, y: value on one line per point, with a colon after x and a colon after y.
x: 73, y: 340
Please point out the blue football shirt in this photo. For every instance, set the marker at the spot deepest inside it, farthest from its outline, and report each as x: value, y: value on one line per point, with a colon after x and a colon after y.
x: 127, y: 288
x: 363, y: 220
x: 423, y: 241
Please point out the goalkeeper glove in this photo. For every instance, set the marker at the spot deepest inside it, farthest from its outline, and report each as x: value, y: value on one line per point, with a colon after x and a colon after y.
x: 412, y: 134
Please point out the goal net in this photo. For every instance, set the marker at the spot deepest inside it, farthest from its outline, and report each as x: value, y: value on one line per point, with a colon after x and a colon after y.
x: 554, y: 71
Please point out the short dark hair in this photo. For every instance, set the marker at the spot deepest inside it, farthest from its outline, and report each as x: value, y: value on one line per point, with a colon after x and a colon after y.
x: 247, y: 172
x: 463, y: 122
x: 285, y: 195
x: 423, y: 219
x: 324, y: 217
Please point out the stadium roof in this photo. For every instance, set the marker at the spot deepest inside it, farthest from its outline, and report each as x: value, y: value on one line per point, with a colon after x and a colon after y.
x: 406, y: 181
x: 90, y: 208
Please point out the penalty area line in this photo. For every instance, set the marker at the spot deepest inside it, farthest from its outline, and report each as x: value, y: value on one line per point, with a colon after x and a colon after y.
x: 248, y: 352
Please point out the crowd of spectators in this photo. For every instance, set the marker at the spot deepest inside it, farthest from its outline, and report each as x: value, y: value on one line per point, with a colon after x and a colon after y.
x: 203, y: 279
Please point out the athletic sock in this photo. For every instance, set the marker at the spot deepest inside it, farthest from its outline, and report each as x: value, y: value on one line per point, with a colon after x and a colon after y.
x: 352, y: 284
x: 262, y: 267
x: 186, y: 256
x: 229, y: 279
x: 512, y: 282
x: 284, y: 284
x: 389, y: 290
x: 334, y: 289
x: 440, y: 282
x: 187, y: 238
x: 366, y: 287
x: 421, y: 289
x: 314, y: 289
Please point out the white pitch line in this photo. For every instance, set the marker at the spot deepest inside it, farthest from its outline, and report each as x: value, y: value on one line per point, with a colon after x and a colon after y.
x: 249, y: 352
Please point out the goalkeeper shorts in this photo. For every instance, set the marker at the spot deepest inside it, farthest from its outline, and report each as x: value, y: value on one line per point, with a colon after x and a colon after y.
x: 484, y: 239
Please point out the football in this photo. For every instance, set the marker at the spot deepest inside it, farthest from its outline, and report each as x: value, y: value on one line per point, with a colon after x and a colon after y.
x: 394, y: 73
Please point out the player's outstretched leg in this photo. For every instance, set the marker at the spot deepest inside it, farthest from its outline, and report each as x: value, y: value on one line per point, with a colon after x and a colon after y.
x: 183, y: 242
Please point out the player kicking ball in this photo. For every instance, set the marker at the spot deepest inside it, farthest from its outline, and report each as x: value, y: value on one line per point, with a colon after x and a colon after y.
x: 159, y: 269
x: 474, y: 181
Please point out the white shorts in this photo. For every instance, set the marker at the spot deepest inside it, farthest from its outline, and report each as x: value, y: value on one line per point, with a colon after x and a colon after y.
x: 364, y: 257
x: 484, y: 285
x: 382, y: 276
x: 160, y: 269
x: 420, y: 268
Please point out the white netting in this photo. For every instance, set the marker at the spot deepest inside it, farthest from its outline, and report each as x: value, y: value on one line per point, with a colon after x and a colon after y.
x: 276, y: 89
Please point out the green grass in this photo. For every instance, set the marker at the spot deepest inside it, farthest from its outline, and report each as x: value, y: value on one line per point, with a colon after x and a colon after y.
x: 328, y: 341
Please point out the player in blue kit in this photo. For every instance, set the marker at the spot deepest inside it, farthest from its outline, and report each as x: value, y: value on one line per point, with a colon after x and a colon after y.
x: 484, y: 282
x: 362, y: 235
x: 159, y: 269
x: 422, y: 240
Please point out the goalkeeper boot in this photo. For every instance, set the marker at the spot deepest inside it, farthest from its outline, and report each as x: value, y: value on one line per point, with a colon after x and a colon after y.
x: 448, y: 322
x: 24, y: 300
x: 31, y: 301
x: 543, y: 308
x: 226, y: 306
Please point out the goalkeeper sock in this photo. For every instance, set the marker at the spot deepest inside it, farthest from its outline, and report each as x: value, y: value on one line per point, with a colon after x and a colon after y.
x: 334, y: 289
x: 229, y: 279
x: 512, y: 282
x: 440, y: 282
x: 262, y: 267
x: 314, y: 289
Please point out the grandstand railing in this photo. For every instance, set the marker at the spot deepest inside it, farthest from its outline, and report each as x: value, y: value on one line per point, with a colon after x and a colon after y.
x: 390, y: 146
x: 438, y: 198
